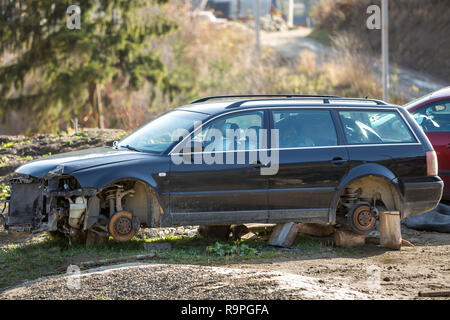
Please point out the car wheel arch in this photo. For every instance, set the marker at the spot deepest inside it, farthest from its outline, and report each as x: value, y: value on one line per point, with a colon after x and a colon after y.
x: 145, y: 203
x: 370, y: 177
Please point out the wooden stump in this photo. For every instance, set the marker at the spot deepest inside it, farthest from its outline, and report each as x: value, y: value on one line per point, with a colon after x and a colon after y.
x: 283, y: 235
x: 238, y: 231
x: 343, y: 238
x: 315, y: 229
x: 390, y: 230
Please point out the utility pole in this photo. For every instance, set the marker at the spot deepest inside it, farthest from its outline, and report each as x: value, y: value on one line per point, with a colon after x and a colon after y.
x: 257, y: 27
x: 290, y: 16
x: 385, y: 48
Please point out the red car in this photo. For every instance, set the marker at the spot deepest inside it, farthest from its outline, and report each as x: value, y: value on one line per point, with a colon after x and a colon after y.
x: 432, y: 112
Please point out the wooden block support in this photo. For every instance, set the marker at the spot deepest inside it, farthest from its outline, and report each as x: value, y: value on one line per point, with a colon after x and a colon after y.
x: 343, y: 238
x: 315, y: 229
x: 390, y: 230
x: 283, y: 235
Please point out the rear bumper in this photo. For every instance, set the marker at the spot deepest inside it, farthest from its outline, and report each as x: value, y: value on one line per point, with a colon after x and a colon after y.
x: 445, y: 176
x: 421, y: 196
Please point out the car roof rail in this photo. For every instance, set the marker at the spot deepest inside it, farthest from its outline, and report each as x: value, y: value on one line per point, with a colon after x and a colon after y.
x: 325, y: 101
x: 258, y: 97
x: 265, y: 96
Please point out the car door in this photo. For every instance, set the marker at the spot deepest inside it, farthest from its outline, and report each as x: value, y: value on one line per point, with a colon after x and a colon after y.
x: 434, y: 118
x: 311, y: 164
x: 223, y: 184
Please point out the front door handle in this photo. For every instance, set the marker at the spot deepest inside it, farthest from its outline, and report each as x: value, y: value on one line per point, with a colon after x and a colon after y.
x: 337, y: 161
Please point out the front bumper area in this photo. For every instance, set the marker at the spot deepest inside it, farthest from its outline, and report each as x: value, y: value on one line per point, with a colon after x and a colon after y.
x: 38, y: 204
x: 421, y: 196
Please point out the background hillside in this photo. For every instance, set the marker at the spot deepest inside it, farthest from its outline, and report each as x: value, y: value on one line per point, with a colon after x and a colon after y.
x: 120, y: 75
x: 419, y: 31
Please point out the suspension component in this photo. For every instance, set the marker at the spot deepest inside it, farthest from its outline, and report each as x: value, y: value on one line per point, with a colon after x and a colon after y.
x: 350, y: 197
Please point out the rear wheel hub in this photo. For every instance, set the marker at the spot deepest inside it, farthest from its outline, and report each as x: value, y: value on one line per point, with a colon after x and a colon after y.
x: 361, y: 218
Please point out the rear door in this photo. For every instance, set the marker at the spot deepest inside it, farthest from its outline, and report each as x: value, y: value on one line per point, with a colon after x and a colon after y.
x: 434, y: 118
x: 312, y: 161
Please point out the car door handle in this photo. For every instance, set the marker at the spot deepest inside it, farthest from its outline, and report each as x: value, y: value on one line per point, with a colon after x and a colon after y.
x: 338, y: 161
x: 448, y: 146
x: 258, y: 165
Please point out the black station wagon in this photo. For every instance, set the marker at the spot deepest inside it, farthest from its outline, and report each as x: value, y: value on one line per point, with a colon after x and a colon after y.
x: 235, y: 160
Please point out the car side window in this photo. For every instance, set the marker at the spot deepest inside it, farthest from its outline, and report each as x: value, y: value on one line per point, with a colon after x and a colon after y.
x: 434, y: 117
x: 238, y: 131
x: 304, y: 128
x: 373, y: 127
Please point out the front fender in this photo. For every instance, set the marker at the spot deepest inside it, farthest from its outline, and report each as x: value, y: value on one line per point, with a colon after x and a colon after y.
x: 147, y: 173
x: 100, y: 177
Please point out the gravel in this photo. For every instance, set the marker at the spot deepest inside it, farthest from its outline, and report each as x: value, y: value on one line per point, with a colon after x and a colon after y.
x: 165, y: 281
x: 187, y: 231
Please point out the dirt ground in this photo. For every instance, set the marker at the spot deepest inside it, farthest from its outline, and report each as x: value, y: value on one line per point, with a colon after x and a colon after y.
x: 18, y: 150
x: 377, y: 272
x: 368, y: 272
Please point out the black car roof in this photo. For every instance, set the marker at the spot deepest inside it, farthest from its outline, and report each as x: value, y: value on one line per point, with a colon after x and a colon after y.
x: 211, y: 106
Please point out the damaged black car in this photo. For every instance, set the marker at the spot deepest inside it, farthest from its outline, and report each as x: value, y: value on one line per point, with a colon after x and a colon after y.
x: 319, y: 159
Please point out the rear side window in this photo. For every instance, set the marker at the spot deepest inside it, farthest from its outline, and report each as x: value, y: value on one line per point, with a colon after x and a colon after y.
x: 304, y: 128
x: 375, y: 127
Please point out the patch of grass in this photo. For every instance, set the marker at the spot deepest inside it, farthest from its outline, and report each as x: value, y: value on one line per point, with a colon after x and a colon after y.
x: 4, y: 145
x: 309, y: 245
x: 26, y: 158
x: 46, y: 155
x: 82, y: 134
x: 321, y: 35
x: 235, y: 249
x: 3, y: 161
x: 4, y: 190
x: 49, y: 257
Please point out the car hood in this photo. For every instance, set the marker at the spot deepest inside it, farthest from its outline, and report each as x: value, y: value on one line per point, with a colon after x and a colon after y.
x: 67, y: 163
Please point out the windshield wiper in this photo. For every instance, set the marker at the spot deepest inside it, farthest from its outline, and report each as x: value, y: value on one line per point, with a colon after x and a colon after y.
x: 130, y: 148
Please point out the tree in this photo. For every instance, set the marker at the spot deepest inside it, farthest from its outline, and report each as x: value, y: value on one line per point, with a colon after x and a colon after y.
x: 58, y: 72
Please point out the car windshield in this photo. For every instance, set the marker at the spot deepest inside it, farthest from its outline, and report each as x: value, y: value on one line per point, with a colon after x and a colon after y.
x: 417, y: 101
x: 159, y: 134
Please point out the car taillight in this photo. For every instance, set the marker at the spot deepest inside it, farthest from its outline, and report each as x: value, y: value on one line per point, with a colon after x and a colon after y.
x: 432, y: 163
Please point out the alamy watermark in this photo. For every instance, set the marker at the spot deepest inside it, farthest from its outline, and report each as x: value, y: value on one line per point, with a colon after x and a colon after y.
x: 74, y: 17
x: 74, y: 279
x: 374, y: 20
x: 373, y: 281
x: 230, y: 146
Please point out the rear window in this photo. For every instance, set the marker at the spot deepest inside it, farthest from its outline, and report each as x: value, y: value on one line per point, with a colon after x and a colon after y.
x: 375, y: 127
